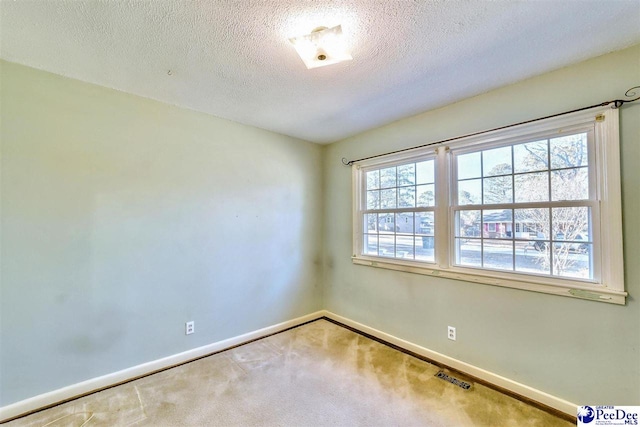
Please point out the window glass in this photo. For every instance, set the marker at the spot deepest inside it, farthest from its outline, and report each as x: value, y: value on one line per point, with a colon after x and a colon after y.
x: 469, y: 165
x: 549, y: 240
x: 400, y: 222
x: 496, y: 161
x: 517, y: 208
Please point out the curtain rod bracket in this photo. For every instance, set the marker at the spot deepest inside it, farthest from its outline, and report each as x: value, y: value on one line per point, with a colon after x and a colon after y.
x: 616, y: 103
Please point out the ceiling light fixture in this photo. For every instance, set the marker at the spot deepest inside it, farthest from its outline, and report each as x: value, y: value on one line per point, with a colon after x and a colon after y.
x: 324, y: 46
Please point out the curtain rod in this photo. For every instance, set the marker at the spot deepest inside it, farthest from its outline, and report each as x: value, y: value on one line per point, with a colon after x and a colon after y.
x: 617, y: 103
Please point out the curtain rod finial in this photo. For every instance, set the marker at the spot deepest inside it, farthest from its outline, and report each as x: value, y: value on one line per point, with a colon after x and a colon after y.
x: 628, y: 94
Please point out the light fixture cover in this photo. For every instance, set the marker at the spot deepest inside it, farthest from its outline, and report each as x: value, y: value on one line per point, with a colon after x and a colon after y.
x: 324, y: 46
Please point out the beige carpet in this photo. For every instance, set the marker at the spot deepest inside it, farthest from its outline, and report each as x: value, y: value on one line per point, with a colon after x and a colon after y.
x: 319, y: 374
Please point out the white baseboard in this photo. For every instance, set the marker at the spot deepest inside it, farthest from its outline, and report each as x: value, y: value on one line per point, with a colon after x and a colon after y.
x: 495, y: 379
x: 47, y: 399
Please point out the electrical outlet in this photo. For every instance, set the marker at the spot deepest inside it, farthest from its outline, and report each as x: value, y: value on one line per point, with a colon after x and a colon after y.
x: 451, y: 333
x: 189, y: 327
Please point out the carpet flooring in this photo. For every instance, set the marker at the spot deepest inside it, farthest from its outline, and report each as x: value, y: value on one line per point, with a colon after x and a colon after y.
x: 318, y: 374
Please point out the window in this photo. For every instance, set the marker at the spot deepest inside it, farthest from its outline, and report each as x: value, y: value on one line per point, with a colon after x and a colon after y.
x: 543, y: 184
x: 534, y: 206
x: 398, y: 210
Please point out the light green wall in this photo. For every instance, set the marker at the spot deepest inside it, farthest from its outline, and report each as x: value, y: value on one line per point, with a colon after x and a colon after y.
x: 583, y: 351
x: 123, y: 217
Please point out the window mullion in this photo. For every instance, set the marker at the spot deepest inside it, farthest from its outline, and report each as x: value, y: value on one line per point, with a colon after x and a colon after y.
x: 529, y: 205
x: 398, y: 210
x: 550, y: 244
x: 442, y: 214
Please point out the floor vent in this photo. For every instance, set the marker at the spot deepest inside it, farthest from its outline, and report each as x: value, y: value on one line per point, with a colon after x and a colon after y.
x: 452, y: 380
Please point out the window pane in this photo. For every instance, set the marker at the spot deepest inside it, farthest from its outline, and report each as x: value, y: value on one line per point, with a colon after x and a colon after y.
x: 533, y: 225
x: 532, y: 259
x: 569, y: 151
x: 388, y: 177
x: 388, y: 198
x: 426, y: 195
x: 568, y: 263
x: 497, y: 161
x: 469, y: 166
x: 498, y: 224
x: 468, y: 223
x: 570, y: 184
x: 569, y: 223
x: 424, y: 172
x: 532, y: 254
x: 406, y: 174
x: 370, y: 223
x: 571, y: 246
x: 373, y: 180
x: 406, y: 197
x: 498, y: 190
x: 404, y: 222
x: 424, y: 223
x: 468, y: 252
x: 469, y: 192
x: 424, y: 240
x: 531, y: 157
x: 497, y: 254
x: 404, y: 247
x: 386, y: 223
x: 387, y: 245
x: 370, y: 244
x: 532, y: 187
x: 424, y: 248
x: 373, y: 199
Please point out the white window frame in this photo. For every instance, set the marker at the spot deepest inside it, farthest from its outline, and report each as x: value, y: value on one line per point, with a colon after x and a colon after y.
x: 608, y: 283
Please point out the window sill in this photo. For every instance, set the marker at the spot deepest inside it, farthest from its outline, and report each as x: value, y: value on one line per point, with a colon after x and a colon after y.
x: 573, y: 289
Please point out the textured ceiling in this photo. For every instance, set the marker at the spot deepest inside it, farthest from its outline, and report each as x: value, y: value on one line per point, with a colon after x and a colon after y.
x: 232, y: 59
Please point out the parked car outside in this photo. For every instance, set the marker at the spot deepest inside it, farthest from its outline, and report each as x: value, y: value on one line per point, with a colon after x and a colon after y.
x: 579, y: 247
x: 574, y: 246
